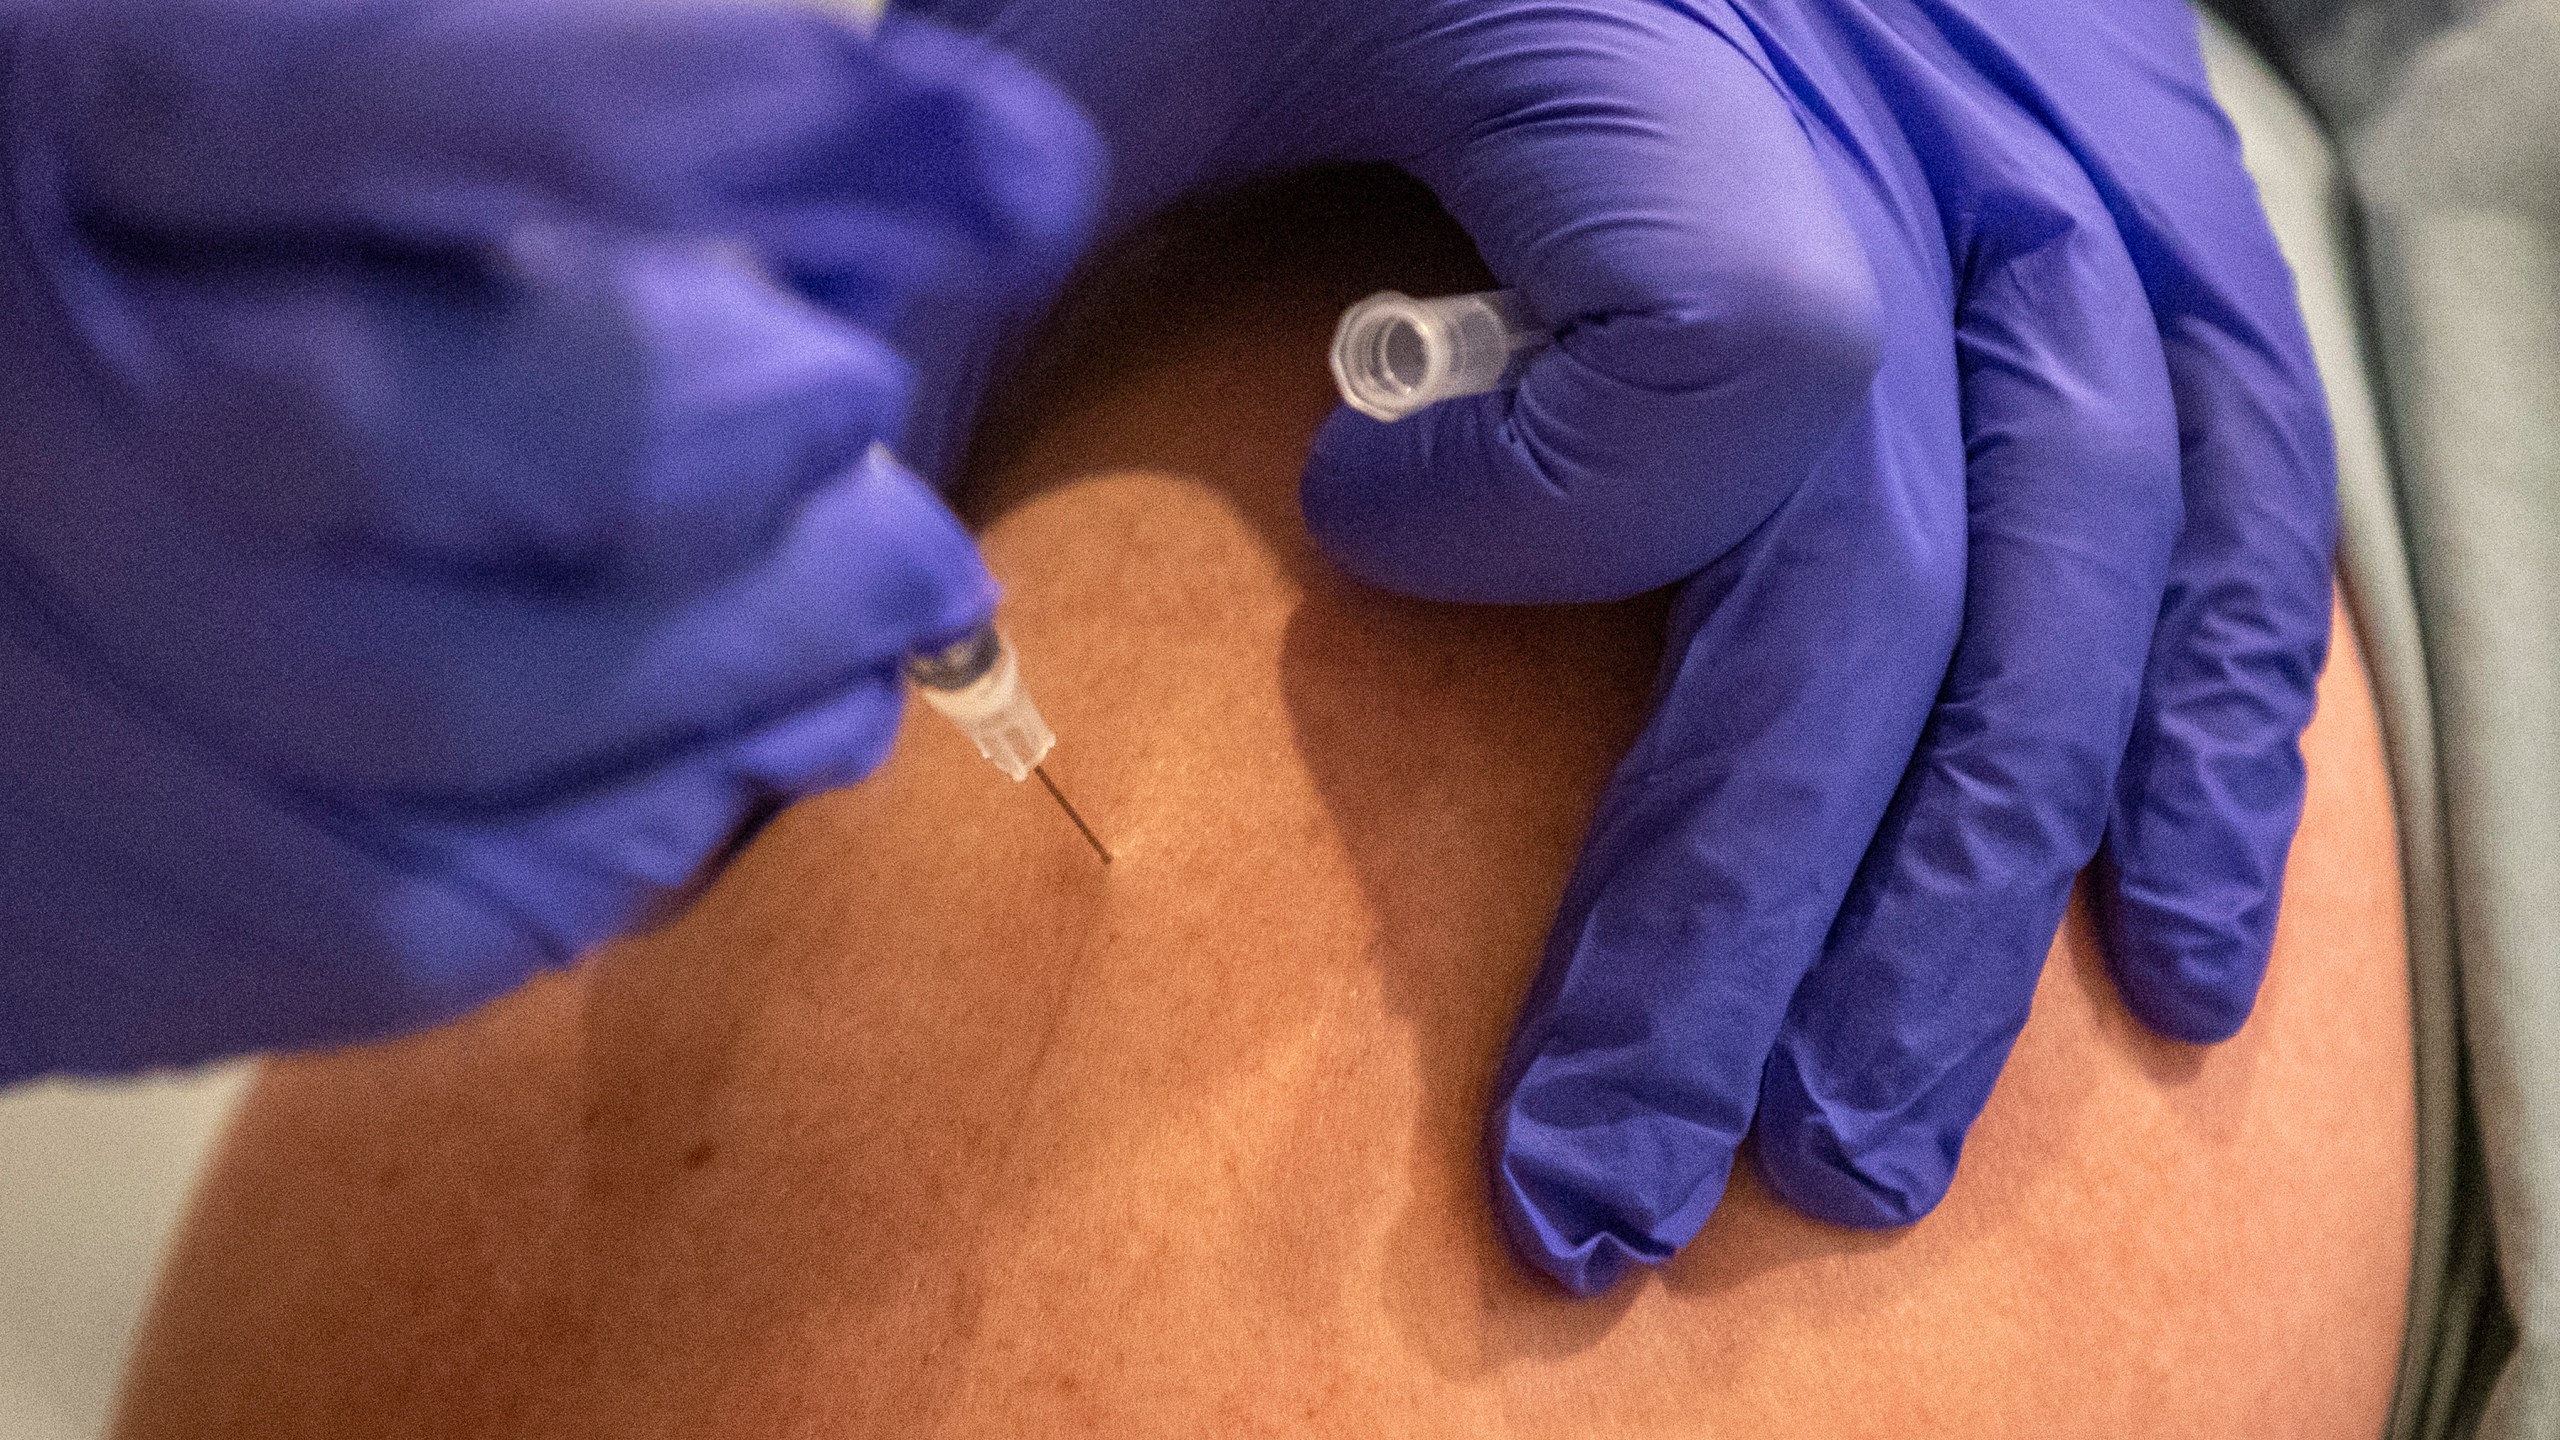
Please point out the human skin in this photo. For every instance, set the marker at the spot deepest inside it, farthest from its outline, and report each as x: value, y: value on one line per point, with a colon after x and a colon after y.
x: 923, y: 1122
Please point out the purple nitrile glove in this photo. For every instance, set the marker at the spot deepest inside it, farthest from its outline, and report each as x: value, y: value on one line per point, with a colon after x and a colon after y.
x: 1940, y: 350
x: 435, y: 513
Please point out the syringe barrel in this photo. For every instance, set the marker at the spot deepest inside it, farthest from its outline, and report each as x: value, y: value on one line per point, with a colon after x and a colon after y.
x: 977, y: 683
x: 1394, y: 354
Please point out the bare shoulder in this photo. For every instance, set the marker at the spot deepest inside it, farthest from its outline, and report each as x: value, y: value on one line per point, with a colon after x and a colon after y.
x: 923, y: 1123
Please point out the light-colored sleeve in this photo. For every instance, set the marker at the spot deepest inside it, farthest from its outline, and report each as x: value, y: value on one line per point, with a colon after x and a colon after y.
x: 2302, y: 184
x: 2458, y: 173
x: 2448, y: 116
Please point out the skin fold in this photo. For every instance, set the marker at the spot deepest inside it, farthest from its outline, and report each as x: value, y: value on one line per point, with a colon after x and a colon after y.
x: 922, y: 1122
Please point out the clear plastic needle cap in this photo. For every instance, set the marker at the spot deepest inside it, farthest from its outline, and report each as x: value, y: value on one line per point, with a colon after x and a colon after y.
x: 1393, y: 354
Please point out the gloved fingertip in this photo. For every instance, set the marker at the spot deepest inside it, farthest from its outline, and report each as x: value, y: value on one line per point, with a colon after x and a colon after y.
x: 1562, y: 1233
x: 1350, y: 493
x: 2182, y: 975
x: 1594, y: 1191
x: 829, y: 745
x: 938, y: 584
x: 1589, y: 1269
x: 2186, y: 1006
x: 451, y: 948
x: 1891, y: 1177
x: 1835, y: 1188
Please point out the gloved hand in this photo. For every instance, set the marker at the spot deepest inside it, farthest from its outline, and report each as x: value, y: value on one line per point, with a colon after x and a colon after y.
x: 1938, y: 348
x: 435, y: 514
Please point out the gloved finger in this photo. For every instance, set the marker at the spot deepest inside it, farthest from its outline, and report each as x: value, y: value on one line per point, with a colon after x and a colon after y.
x: 640, y: 416
x: 2211, y: 789
x: 1717, y: 323
x: 167, y: 905
x: 406, y: 915
x: 576, y: 869
x: 1892, y: 1044
x: 1032, y: 168
x: 602, y: 853
x: 1801, y: 669
x: 429, y: 879
x: 612, y: 407
x: 872, y: 566
x: 393, y: 679
x: 2212, y: 786
x: 457, y: 131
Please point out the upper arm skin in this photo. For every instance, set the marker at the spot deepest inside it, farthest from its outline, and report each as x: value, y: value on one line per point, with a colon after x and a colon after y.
x: 923, y: 1122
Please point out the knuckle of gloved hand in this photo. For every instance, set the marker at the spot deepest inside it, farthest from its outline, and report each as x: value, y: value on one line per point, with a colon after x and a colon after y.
x: 449, y: 950
x: 2054, y: 280
x: 1805, y: 323
x: 1022, y: 158
x: 649, y: 424
x: 2119, y: 427
x: 1746, y: 374
x: 2114, y: 453
x: 2131, y: 444
x: 1816, y: 321
x: 1762, y: 363
x: 711, y: 404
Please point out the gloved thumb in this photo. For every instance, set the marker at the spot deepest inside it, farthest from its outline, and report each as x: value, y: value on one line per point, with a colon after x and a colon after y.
x: 1716, y: 326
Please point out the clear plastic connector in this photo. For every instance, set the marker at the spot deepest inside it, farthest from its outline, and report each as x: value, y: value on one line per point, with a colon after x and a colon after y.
x: 1393, y: 354
x: 976, y: 682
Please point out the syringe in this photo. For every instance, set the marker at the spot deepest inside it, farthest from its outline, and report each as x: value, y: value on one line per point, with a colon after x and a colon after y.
x: 1393, y: 354
x: 976, y: 681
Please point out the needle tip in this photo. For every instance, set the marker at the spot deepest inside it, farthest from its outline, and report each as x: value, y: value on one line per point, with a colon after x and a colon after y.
x: 1081, y: 828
